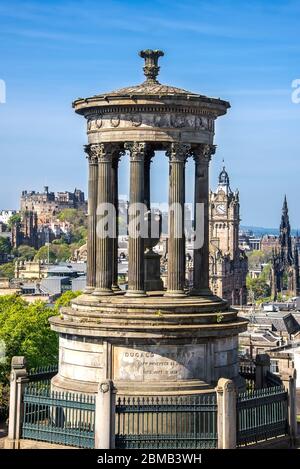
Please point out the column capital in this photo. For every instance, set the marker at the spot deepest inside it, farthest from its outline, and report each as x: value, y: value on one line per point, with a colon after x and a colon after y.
x: 91, y: 154
x: 178, y: 152
x: 203, y: 152
x: 101, y: 152
x: 137, y: 150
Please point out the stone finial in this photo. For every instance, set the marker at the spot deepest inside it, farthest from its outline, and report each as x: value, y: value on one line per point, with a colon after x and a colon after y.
x: 151, y: 68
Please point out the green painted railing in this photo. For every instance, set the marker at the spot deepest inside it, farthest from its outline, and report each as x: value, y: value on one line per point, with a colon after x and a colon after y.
x: 62, y: 418
x: 261, y: 414
x: 43, y: 373
x: 167, y: 422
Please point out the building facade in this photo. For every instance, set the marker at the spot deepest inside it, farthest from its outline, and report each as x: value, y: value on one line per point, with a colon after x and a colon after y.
x: 228, y: 263
x: 25, y: 232
x: 48, y: 204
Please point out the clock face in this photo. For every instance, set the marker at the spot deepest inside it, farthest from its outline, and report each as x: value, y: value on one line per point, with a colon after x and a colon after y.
x: 221, y: 209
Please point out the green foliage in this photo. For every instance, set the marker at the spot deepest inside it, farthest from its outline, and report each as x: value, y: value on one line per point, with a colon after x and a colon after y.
x: 79, y: 235
x: 78, y: 222
x: 265, y: 275
x: 57, y: 252
x: 73, y: 216
x: 259, y: 287
x: 4, y: 401
x: 5, y: 246
x: 44, y: 253
x: 25, y: 330
x: 219, y: 317
x: 7, y: 270
x: 13, y: 220
x: 256, y: 258
x: 24, y: 252
x: 65, y: 298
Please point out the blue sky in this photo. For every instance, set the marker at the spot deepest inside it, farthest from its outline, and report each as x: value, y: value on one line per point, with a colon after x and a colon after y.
x: 245, y: 51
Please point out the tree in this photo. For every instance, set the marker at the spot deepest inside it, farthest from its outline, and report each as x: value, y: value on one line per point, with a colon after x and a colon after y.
x: 73, y: 216
x: 25, y: 330
x: 65, y: 298
x: 43, y: 254
x: 259, y: 287
x: 24, y: 252
x: 55, y: 252
x: 7, y: 270
x: 256, y: 258
x: 16, y: 218
x: 79, y: 234
x: 78, y: 221
x: 5, y: 245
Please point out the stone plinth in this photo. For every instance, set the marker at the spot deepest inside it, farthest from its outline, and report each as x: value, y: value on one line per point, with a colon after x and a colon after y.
x: 147, y: 346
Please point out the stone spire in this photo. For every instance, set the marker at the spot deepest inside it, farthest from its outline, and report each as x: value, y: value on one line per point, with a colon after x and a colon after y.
x: 285, y: 240
x: 151, y: 68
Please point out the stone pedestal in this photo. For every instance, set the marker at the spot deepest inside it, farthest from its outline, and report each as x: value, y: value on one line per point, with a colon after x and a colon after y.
x: 153, y: 281
x: 147, y: 346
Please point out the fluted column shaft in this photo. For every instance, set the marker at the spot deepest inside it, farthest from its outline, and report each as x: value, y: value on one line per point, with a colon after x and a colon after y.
x: 177, y: 154
x: 136, y: 242
x: 202, y: 156
x: 104, y: 153
x: 92, y: 220
x: 115, y: 201
x: 147, y: 164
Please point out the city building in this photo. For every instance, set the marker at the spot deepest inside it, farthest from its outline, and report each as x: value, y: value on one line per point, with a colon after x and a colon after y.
x: 25, y: 232
x: 228, y: 263
x: 248, y: 241
x: 5, y: 215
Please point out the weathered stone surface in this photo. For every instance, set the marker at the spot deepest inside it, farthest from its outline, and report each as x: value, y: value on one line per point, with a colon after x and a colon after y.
x: 159, y: 363
x: 153, y: 344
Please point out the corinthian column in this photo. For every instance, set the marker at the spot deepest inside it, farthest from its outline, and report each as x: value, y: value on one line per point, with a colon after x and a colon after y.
x: 202, y: 156
x: 104, y: 152
x: 115, y: 200
x: 92, y: 219
x: 136, y: 201
x: 148, y: 159
x: 177, y: 154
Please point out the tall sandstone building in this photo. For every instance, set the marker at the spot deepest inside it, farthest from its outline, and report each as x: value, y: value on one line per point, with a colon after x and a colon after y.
x: 228, y: 263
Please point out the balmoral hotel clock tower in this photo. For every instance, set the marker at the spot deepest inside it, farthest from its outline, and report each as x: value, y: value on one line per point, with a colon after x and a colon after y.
x: 228, y: 263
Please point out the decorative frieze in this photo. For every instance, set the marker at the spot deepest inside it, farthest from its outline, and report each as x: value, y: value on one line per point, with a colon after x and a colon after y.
x: 156, y: 120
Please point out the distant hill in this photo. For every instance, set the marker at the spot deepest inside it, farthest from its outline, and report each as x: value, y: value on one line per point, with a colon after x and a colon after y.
x: 260, y: 231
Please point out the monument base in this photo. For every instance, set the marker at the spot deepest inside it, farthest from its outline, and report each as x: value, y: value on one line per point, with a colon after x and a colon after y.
x: 147, y: 346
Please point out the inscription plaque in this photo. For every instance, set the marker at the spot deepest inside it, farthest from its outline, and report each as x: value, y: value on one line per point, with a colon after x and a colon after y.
x: 154, y: 363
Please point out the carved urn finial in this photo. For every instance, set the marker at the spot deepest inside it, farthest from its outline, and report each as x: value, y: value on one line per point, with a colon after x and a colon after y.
x: 151, y: 68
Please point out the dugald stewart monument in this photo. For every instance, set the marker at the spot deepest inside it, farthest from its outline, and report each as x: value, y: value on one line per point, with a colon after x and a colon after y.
x: 173, y: 342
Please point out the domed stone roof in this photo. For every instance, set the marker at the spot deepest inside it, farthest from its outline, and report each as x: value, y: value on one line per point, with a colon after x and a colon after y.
x: 151, y: 89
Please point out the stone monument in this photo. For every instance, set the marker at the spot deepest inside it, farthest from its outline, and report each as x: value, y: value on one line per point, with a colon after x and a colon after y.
x: 158, y: 342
